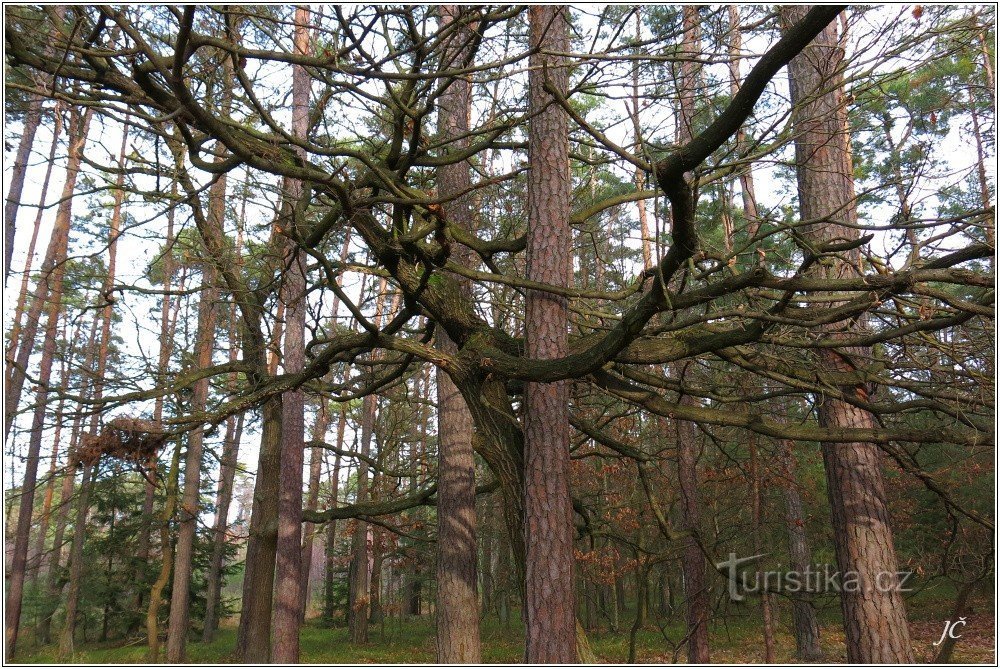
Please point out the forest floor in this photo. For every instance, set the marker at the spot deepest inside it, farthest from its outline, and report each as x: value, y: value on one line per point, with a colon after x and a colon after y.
x: 734, y: 640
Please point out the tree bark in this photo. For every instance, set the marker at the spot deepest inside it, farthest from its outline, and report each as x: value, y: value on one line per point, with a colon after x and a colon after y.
x: 166, y: 559
x: 874, y: 613
x: 76, y: 564
x: 227, y: 474
x: 54, y: 280
x: 180, y: 595
x: 253, y: 641
x: 550, y: 612
x: 693, y: 558
x: 32, y: 119
x: 312, y: 501
x: 288, y: 600
x: 457, y: 609
x: 804, y: 621
x: 52, y: 268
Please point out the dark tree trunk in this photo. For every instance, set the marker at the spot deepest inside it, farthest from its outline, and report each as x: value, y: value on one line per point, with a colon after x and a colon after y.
x: 693, y: 559
x: 874, y: 614
x: 227, y: 473
x: 253, y: 643
x: 550, y: 612
x: 76, y: 564
x: 804, y: 621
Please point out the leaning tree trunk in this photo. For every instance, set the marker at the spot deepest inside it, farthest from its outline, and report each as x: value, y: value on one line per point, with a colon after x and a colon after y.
x: 32, y: 119
x: 22, y: 293
x: 52, y: 286
x: 457, y: 609
x: 166, y: 559
x: 550, y: 613
x: 874, y: 614
x: 53, y: 266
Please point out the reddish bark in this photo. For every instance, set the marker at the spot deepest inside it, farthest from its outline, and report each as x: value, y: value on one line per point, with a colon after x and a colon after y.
x: 550, y: 620
x: 874, y: 614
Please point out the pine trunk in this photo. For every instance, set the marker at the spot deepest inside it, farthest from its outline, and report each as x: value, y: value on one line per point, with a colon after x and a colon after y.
x: 32, y: 119
x: 288, y: 601
x: 550, y: 612
x: 457, y: 608
x: 874, y: 613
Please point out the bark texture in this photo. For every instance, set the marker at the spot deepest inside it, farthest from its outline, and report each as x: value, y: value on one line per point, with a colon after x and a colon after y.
x: 288, y: 600
x: 180, y: 595
x: 457, y: 611
x: 550, y: 618
x: 874, y: 613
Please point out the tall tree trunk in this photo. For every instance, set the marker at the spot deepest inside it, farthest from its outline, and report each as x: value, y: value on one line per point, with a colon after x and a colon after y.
x: 288, y: 602
x: 874, y: 614
x: 747, y: 190
x: 163, y: 365
x: 52, y: 268
x: 359, y: 575
x: 15, y: 587
x: 693, y: 558
x: 457, y: 610
x: 22, y: 293
x: 550, y: 612
x: 253, y: 642
x: 180, y: 591
x: 640, y: 175
x: 32, y: 119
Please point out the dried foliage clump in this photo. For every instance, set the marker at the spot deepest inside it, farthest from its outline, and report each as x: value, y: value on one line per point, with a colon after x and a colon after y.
x: 129, y: 439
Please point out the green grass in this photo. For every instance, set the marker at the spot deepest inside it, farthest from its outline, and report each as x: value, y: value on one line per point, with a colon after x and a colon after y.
x: 735, y: 637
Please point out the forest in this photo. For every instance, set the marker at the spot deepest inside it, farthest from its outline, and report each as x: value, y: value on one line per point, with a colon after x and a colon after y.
x: 461, y: 334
